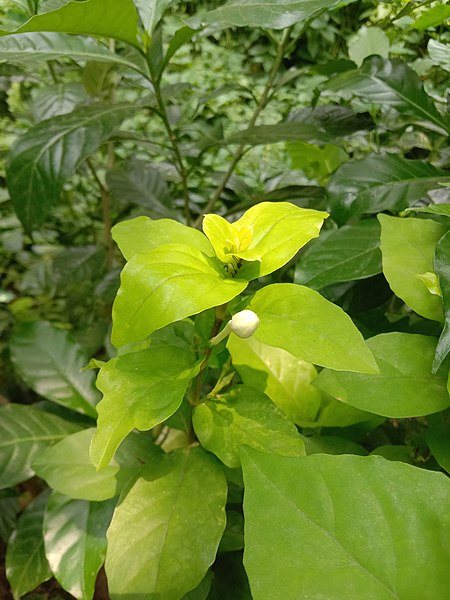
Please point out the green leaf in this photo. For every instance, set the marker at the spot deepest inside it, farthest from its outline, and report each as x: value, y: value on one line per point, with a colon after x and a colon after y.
x: 269, y: 232
x: 378, y: 183
x: 439, y: 53
x: 9, y: 509
x: 281, y: 376
x: 345, y: 517
x: 78, y: 264
x: 407, y: 247
x: 42, y: 159
x: 24, y: 432
x: 263, y: 13
x: 139, y: 183
x: 405, y: 386
x: 165, y: 533
x: 349, y: 253
x: 75, y: 541
x: 67, y: 467
x: 89, y: 18
x: 168, y: 284
x: 367, y: 41
x: 432, y: 17
x: 314, y: 161
x: 35, y: 48
x: 285, y: 131
x: 442, y: 268
x: 140, y: 390
x: 57, y: 99
x: 26, y: 564
x: 244, y: 416
x: 151, y: 12
x: 303, y: 323
x: 440, y: 210
x: 50, y: 362
x: 390, y: 83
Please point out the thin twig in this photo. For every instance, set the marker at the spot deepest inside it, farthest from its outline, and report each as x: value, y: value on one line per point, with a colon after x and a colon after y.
x: 240, y: 151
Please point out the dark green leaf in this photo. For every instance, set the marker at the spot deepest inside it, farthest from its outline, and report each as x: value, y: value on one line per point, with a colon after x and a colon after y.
x: 405, y: 386
x: 286, y: 131
x: 333, y: 119
x: 50, y: 362
x: 389, y: 83
x: 26, y: 564
x: 75, y: 541
x: 9, y: 508
x: 32, y: 48
x: 42, y: 159
x: 244, y: 416
x: 438, y: 440
x: 442, y: 269
x: 165, y: 532
x: 352, y: 252
x: 78, y: 264
x: 378, y: 183
x: 89, y: 18
x: 57, y: 100
x: 345, y: 527
x: 24, y: 432
x: 263, y: 13
x: 139, y: 183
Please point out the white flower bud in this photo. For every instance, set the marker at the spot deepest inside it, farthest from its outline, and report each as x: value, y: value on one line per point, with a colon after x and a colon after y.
x: 244, y: 323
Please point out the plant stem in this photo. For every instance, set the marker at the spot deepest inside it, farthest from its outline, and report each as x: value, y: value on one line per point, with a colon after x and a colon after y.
x: 240, y: 151
x: 106, y: 212
x: 179, y: 164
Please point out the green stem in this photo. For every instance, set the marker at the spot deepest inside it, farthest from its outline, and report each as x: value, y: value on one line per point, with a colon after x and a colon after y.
x: 240, y: 151
x: 106, y: 212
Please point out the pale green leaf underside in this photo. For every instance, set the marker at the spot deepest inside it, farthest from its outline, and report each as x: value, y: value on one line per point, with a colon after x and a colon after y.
x: 140, y: 390
x: 303, y: 323
x: 407, y: 247
x: 75, y: 541
x: 245, y: 416
x: 168, y: 284
x: 405, y: 386
x: 165, y: 533
x: 273, y: 14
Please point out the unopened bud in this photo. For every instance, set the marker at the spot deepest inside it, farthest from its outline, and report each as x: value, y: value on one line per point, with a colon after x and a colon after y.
x: 244, y: 323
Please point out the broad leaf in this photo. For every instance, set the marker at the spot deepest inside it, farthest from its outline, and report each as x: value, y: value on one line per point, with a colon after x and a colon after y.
x: 346, y: 534
x: 26, y: 564
x: 89, y: 18
x: 139, y: 183
x: 367, y: 41
x: 285, y: 131
x: 168, y: 284
x: 407, y: 247
x: 77, y: 264
x: 316, y: 162
x: 140, y: 390
x: 438, y: 440
x: 24, y: 432
x: 9, y: 509
x: 303, y: 323
x: 405, y: 386
x: 349, y: 253
x: 165, y: 532
x: 42, y: 159
x: 432, y: 17
x: 150, y: 13
x: 389, y: 83
x: 67, y: 467
x: 140, y: 235
x: 378, y: 183
x: 442, y: 268
x: 283, y: 377
x: 50, y: 362
x: 334, y: 119
x: 57, y: 100
x: 270, y: 233
x: 32, y: 48
x: 244, y: 416
x: 75, y: 541
x: 263, y: 13
x: 439, y: 53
